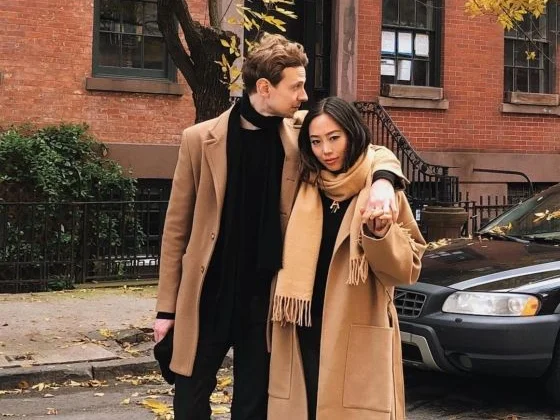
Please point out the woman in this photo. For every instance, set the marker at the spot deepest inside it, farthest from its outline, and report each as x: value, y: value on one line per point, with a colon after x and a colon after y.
x: 335, y: 343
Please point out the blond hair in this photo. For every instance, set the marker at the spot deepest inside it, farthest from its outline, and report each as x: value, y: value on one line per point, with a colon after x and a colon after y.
x: 269, y: 58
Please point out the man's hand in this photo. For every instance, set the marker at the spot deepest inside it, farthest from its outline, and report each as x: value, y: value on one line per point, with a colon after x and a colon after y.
x: 161, y: 326
x: 376, y: 221
x: 382, y: 197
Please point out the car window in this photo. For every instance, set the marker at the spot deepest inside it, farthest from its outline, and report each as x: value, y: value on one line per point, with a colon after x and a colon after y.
x: 538, y: 216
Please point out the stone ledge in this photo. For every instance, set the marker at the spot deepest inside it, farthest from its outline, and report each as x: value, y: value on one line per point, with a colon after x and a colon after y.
x: 412, y: 92
x: 524, y: 98
x: 109, y: 84
x: 413, y: 103
x: 508, y: 108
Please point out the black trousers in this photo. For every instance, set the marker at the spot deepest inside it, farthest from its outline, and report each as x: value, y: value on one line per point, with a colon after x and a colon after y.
x: 250, y: 372
x: 310, y: 347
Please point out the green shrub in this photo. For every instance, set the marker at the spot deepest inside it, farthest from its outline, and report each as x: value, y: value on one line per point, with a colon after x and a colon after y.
x: 58, y: 163
x: 48, y: 235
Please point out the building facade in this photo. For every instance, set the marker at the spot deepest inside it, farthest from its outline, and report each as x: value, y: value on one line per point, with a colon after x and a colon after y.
x: 464, y: 92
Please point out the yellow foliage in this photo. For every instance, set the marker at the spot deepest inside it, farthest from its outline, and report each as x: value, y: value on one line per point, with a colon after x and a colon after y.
x: 250, y: 19
x: 506, y: 11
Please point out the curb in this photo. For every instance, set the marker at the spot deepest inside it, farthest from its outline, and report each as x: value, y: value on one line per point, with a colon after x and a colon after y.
x: 11, y: 378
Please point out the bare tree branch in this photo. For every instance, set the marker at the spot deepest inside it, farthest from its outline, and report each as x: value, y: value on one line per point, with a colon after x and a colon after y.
x: 214, y: 13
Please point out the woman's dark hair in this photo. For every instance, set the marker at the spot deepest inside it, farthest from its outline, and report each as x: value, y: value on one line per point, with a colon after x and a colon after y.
x: 345, y: 115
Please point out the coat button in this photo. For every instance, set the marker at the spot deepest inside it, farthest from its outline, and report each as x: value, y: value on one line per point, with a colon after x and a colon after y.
x: 213, y: 236
x: 202, y: 269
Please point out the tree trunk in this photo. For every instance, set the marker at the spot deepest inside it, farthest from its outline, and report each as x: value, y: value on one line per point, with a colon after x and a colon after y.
x: 198, y: 65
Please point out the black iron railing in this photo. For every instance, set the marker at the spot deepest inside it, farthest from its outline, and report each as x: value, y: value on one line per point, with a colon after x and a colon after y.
x: 429, y: 184
x: 55, y: 245
x: 482, y: 211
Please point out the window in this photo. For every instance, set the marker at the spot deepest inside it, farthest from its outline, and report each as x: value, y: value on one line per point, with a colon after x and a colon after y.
x: 531, y: 36
x: 410, y: 42
x: 520, y: 191
x: 127, y: 41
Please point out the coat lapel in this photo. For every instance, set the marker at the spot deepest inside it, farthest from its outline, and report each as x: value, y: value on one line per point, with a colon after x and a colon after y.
x: 216, y: 156
x: 290, y: 170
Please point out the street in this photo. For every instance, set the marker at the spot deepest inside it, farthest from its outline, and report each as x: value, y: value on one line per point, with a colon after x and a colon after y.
x: 429, y: 396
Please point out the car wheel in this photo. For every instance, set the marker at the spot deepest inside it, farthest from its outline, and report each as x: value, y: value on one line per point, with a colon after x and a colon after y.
x: 552, y: 377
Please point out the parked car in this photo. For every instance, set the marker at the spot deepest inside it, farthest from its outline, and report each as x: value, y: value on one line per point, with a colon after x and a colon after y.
x: 491, y: 304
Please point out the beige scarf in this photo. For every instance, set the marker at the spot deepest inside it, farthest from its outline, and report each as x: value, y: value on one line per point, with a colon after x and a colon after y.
x: 294, y: 287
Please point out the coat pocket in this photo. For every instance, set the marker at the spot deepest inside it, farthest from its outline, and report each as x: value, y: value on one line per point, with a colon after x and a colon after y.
x: 281, y: 362
x: 368, y: 376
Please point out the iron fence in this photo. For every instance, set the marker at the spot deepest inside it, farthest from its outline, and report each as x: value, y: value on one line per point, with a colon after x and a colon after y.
x: 54, y: 245
x: 481, y: 212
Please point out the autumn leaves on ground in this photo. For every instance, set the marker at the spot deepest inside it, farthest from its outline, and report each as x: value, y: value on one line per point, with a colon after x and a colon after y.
x: 157, y: 399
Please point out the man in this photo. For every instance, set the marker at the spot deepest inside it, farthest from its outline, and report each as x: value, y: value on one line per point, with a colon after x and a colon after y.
x: 233, y: 190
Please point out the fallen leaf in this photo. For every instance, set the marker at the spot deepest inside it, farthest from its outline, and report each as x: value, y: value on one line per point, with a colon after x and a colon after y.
x: 220, y: 409
x: 48, y: 396
x: 223, y: 382
x: 52, y: 411
x: 106, y: 333
x: 23, y: 385
x: 98, y: 394
x: 157, y: 407
x: 39, y: 387
x: 126, y: 401
x: 220, y: 398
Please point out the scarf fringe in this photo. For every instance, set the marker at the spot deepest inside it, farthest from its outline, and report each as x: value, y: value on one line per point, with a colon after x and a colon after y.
x: 291, y: 310
x: 359, y: 269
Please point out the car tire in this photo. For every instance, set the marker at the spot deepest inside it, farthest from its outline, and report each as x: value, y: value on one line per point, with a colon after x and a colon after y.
x: 552, y: 377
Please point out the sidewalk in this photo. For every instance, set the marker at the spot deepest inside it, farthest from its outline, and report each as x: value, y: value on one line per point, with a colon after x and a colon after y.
x: 79, y: 334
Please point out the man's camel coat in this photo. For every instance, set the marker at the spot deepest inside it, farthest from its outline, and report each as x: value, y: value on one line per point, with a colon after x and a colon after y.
x: 360, y: 367
x: 192, y: 222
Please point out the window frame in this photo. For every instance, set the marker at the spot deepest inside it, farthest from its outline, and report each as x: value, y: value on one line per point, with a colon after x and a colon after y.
x: 547, y: 44
x: 169, y: 73
x: 434, y: 59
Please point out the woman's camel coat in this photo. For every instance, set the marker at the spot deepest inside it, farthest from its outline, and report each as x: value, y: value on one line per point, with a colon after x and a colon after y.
x: 193, y: 219
x: 360, y: 369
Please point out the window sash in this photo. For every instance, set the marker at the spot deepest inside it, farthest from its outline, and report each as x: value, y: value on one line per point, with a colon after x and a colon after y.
x: 121, y: 30
x: 531, y: 76
x: 424, y: 70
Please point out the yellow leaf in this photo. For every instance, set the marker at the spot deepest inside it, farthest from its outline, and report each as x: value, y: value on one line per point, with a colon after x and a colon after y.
x: 285, y: 12
x: 223, y: 382
x: 39, y: 387
x: 156, y: 406
x: 234, y: 72
x: 531, y: 55
x: 224, y: 42
x: 106, y: 333
x: 220, y: 409
x: 126, y: 401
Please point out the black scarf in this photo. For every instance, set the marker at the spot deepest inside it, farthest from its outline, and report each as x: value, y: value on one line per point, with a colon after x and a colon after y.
x: 269, y: 256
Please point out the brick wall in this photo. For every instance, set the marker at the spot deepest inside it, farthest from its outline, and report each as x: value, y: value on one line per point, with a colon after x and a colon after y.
x: 45, y: 57
x: 473, y: 84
